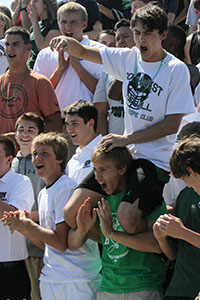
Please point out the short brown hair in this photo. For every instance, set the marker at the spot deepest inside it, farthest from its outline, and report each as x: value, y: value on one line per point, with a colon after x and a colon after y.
x: 33, y: 117
x: 8, y: 145
x: 186, y: 154
x: 152, y: 17
x: 120, y: 156
x: 57, y: 142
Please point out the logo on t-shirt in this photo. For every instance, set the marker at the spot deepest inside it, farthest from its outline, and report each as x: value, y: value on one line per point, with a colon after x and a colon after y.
x: 3, y: 196
x: 14, y: 107
x: 87, y: 164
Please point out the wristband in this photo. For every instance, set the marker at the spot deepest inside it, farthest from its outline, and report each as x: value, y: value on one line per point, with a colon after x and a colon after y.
x: 24, y: 8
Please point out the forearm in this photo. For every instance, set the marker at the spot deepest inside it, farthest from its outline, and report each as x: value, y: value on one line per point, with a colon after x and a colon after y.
x: 163, y: 128
x: 24, y: 16
x: 89, y: 81
x: 5, y: 207
x: 36, y: 242
x: 76, y: 238
x: 171, y: 17
x: 40, y: 40
x: 106, y: 12
x: 36, y: 232
x: 190, y: 236
x: 102, y: 124
x: 56, y: 76
x: 16, y: 14
x: 144, y: 241
x: 115, y: 90
x: 168, y: 248
x: 93, y: 34
x: 26, y: 23
x: 182, y: 15
x: 88, y: 53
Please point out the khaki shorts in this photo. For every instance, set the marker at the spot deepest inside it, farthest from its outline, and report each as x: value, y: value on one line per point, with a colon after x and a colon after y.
x: 142, y: 295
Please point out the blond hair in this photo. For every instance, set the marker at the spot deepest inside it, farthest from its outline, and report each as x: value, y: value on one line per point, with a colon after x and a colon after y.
x: 71, y: 8
x: 57, y: 142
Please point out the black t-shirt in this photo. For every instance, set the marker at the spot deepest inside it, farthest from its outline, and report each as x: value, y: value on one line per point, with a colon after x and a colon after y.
x: 93, y: 13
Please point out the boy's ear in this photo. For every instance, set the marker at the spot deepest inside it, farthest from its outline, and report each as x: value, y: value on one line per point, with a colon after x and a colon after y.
x: 85, y: 24
x: 122, y: 170
x: 164, y: 35
x: 29, y: 47
x: 91, y: 122
x: 191, y: 172
x: 10, y: 159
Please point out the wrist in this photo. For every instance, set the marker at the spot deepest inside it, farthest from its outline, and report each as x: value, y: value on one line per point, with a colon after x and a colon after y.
x: 23, y: 8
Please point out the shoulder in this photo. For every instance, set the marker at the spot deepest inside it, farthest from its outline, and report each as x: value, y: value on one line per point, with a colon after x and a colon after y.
x: 65, y: 183
x: 48, y: 54
x: 39, y: 77
x: 18, y: 179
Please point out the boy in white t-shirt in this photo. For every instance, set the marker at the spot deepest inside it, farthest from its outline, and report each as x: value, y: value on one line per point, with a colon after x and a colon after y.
x: 61, y: 276
x: 155, y: 100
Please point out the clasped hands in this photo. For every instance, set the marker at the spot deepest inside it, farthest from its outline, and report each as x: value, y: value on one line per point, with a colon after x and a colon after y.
x: 16, y: 220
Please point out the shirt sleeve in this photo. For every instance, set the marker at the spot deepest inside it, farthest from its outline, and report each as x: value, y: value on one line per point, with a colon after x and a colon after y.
x: 115, y: 60
x: 59, y: 203
x: 22, y: 196
x: 100, y: 94
x: 180, y: 99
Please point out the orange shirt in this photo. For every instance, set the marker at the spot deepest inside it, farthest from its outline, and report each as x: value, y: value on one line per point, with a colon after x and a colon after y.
x: 35, y: 95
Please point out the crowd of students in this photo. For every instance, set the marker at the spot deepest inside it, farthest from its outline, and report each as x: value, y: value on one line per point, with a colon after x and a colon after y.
x: 99, y: 150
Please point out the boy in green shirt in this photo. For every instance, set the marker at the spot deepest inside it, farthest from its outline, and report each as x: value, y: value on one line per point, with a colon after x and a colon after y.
x: 130, y: 266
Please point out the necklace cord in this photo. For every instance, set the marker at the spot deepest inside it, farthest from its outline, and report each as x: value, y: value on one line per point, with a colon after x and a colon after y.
x: 161, y: 63
x: 19, y: 86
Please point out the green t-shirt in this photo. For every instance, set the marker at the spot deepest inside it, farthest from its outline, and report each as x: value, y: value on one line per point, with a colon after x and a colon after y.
x: 186, y: 279
x: 126, y: 270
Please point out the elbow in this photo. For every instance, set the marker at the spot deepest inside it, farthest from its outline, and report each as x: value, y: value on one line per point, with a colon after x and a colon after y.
x: 67, y: 214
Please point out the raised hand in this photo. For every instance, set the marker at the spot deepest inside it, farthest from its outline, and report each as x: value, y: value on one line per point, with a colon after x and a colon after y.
x: 105, y: 217
x: 32, y: 13
x: 111, y: 141
x: 59, y: 43
x: 85, y: 220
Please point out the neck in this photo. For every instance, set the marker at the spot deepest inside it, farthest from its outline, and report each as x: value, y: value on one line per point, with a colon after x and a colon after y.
x: 158, y: 56
x: 18, y: 69
x: 25, y: 152
x: 53, y: 178
x: 88, y: 140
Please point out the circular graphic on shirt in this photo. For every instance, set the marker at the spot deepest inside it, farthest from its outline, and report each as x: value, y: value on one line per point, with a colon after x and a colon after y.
x: 115, y: 250
x: 13, y: 108
x: 138, y: 90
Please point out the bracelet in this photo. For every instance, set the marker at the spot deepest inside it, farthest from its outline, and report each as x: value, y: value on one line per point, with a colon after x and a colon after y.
x: 24, y: 8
